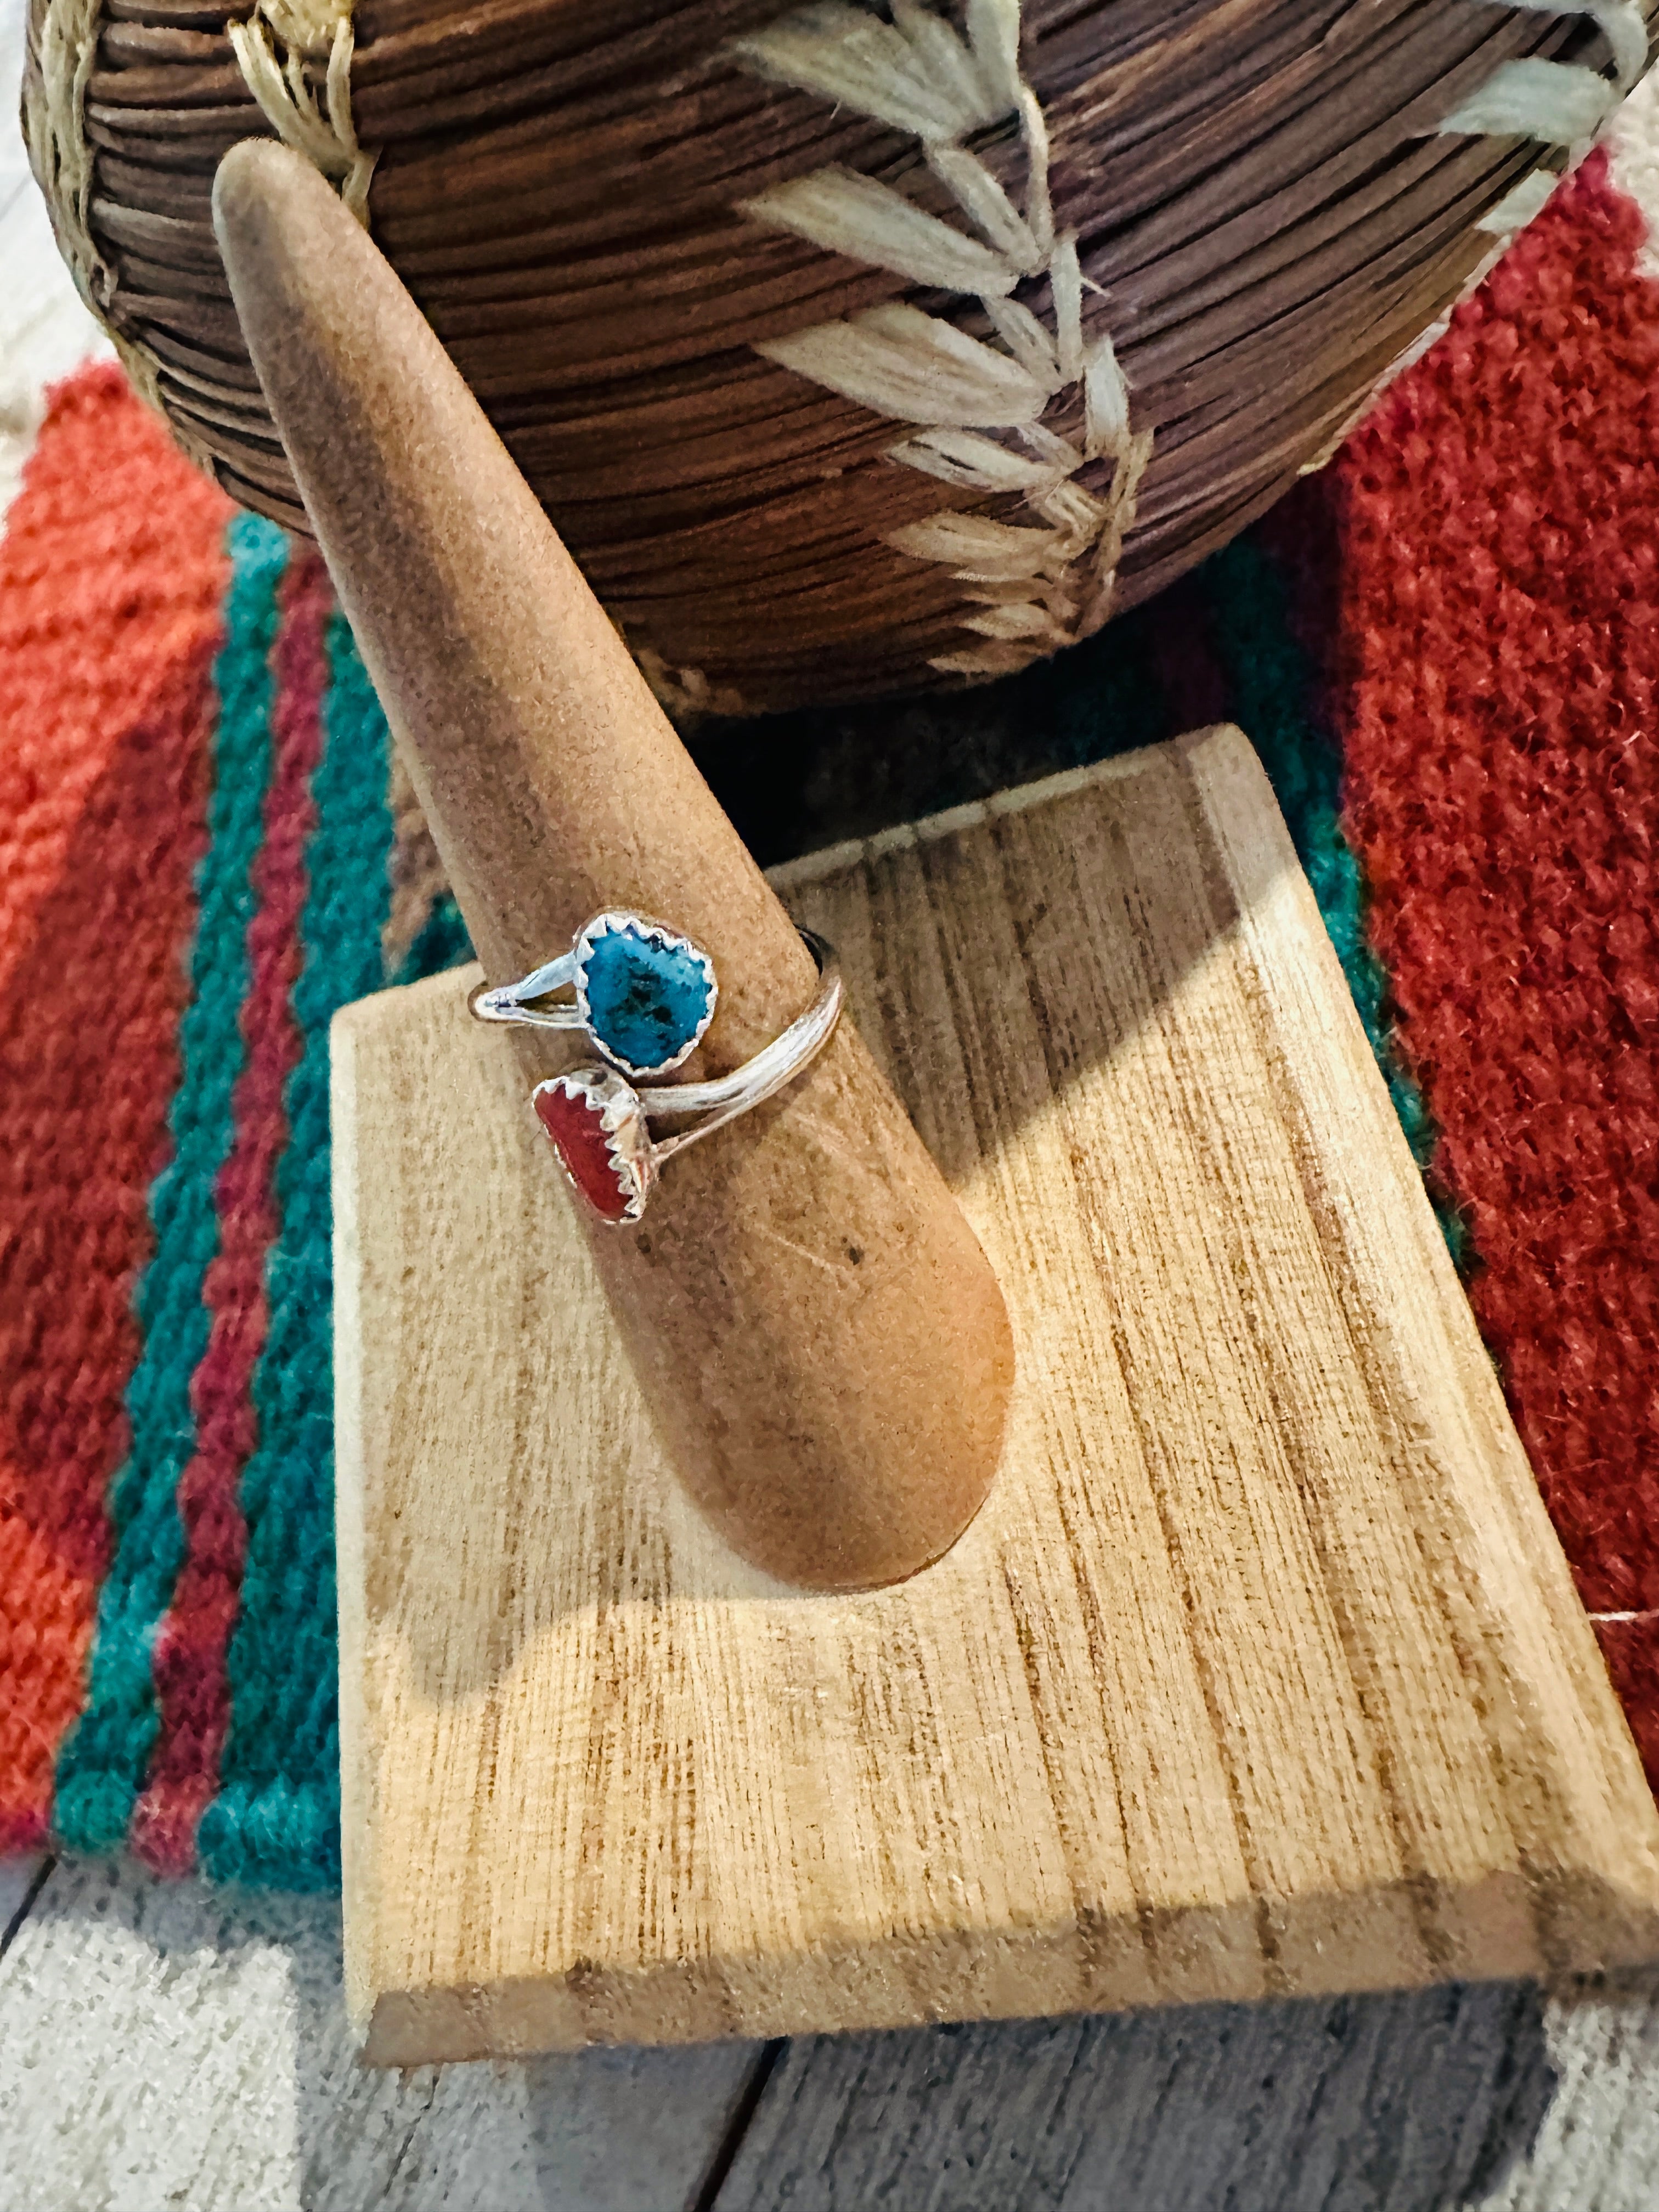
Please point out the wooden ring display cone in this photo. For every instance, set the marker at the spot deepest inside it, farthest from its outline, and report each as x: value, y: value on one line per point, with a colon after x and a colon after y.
x: 821, y: 1340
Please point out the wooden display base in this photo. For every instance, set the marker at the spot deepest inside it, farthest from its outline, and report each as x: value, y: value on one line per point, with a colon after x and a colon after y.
x: 1260, y: 1673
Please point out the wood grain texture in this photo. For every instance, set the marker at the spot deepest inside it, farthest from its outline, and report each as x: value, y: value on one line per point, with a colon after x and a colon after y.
x: 1490, y: 2095
x: 165, y: 2044
x: 1413, y: 2100
x: 1260, y: 1673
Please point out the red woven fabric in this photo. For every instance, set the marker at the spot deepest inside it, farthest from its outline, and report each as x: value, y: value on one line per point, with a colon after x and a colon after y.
x: 1498, y: 617
x: 112, y: 572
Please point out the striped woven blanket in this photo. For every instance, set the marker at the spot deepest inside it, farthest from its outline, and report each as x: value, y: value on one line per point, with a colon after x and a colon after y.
x: 1446, y: 649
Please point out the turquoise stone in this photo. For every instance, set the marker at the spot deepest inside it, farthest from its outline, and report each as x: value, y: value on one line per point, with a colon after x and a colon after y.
x: 646, y: 1001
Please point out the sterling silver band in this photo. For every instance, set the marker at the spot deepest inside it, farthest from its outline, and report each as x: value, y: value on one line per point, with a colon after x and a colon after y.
x: 514, y: 1002
x: 772, y: 1066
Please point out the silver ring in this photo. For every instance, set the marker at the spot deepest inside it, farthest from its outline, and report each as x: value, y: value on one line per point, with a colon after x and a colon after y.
x: 598, y: 1122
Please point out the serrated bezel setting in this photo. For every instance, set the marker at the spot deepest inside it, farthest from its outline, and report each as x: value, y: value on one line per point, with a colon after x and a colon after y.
x: 654, y: 935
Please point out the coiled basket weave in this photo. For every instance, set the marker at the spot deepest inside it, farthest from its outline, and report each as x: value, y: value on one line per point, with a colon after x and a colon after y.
x: 852, y: 347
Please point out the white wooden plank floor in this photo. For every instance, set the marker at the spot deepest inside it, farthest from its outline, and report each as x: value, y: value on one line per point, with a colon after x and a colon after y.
x: 163, y: 2045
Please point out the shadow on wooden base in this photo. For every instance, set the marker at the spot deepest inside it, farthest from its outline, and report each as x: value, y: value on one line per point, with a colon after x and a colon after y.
x: 1261, y: 1672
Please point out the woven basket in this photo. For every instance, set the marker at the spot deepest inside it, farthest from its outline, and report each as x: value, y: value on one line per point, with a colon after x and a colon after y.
x: 855, y: 348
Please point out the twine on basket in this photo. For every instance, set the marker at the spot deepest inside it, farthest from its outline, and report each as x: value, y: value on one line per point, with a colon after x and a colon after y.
x: 54, y: 131
x: 308, y: 30
x: 1558, y: 105
x: 979, y: 408
x: 1036, y: 588
x: 62, y: 158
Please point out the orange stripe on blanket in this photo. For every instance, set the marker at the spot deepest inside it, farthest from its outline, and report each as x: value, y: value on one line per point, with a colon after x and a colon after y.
x: 1497, y: 599
x: 112, y: 572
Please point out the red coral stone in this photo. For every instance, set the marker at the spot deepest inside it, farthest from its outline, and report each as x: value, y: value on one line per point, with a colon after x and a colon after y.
x: 573, y: 1120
